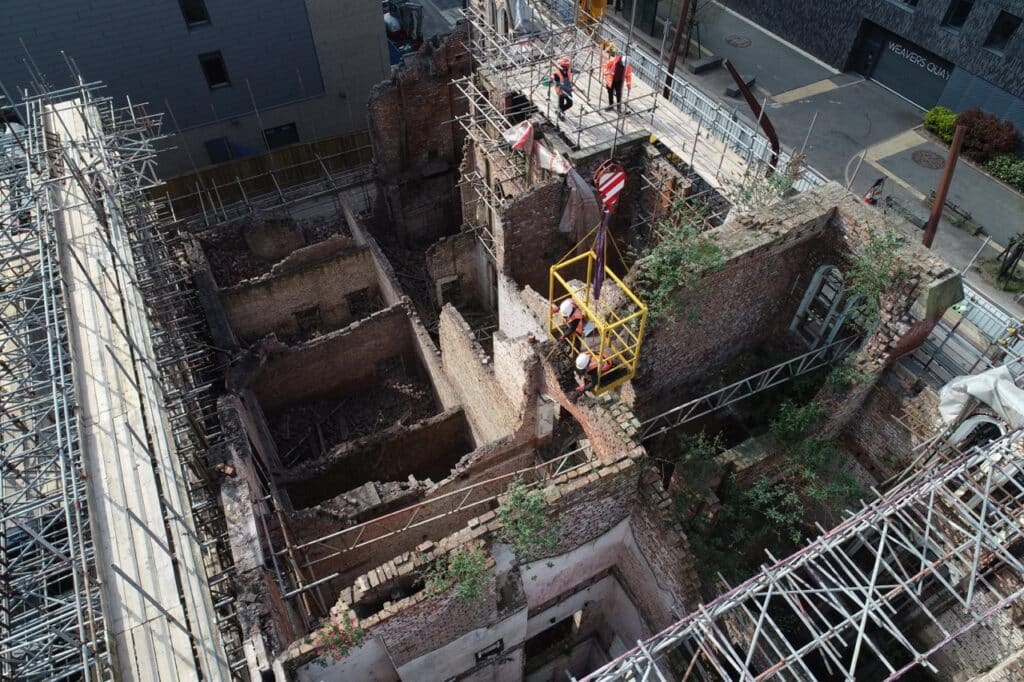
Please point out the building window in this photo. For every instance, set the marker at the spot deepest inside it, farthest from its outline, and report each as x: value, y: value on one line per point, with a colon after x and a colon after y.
x: 194, y: 12
x: 218, y: 149
x: 1002, y: 30
x: 281, y: 136
x: 214, y: 69
x: 957, y: 13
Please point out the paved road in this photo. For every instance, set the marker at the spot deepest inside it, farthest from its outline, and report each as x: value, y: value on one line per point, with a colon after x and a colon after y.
x: 439, y: 16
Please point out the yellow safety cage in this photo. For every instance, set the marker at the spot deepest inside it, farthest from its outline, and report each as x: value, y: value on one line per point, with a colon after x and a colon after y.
x: 614, y: 324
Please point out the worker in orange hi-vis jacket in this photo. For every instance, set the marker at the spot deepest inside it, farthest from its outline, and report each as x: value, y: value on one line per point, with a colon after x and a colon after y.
x: 616, y: 72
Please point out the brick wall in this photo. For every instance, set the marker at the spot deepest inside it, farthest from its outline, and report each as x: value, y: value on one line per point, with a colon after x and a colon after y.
x: 269, y: 304
x: 590, y: 500
x: 341, y: 362
x: 457, y: 256
x: 496, y: 403
x: 416, y: 143
x: 609, y: 424
x: 664, y: 552
x: 427, y: 449
x: 745, y: 304
x: 527, y: 240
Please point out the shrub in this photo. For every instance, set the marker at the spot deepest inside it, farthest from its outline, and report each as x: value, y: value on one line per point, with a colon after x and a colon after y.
x: 525, y: 521
x: 985, y: 135
x: 941, y: 121
x: 1007, y: 167
x: 466, y: 569
x: 794, y: 421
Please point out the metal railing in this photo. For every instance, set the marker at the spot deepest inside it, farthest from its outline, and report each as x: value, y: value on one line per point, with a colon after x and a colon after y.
x: 712, y: 118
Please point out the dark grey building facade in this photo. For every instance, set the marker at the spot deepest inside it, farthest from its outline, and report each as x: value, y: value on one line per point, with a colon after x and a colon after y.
x: 306, y: 66
x: 959, y: 53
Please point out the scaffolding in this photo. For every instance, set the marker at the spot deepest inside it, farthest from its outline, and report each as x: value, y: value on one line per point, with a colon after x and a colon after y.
x: 725, y: 151
x: 51, y: 593
x: 51, y: 625
x: 949, y: 535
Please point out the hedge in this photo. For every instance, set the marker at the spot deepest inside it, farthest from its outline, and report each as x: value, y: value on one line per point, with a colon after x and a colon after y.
x: 941, y: 121
x: 1009, y: 168
x: 985, y: 135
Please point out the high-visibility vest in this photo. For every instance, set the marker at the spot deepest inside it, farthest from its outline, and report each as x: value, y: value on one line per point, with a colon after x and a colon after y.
x: 610, y: 67
x: 563, y: 80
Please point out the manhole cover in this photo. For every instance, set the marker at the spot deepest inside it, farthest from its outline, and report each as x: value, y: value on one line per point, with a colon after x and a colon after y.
x: 928, y: 159
x: 738, y: 41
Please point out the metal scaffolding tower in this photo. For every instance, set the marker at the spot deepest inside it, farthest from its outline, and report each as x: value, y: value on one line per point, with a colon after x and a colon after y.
x: 873, y: 598
x: 51, y: 626
x: 80, y: 155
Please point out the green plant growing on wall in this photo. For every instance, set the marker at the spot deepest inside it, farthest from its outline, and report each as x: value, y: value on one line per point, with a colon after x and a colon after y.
x: 466, y: 569
x: 336, y: 639
x: 847, y: 373
x: 794, y: 421
x: 873, y: 270
x: 780, y: 505
x: 524, y: 516
x: 669, y: 272
x: 760, y: 192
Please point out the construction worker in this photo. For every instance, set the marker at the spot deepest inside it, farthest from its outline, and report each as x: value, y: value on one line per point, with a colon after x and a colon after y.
x: 587, y: 370
x: 573, y: 321
x: 616, y: 72
x: 562, y: 78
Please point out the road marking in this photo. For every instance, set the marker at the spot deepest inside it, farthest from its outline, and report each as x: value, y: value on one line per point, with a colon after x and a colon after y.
x: 804, y: 92
x: 908, y: 139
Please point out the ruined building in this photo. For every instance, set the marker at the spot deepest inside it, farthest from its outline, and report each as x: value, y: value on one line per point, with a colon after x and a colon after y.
x: 312, y: 424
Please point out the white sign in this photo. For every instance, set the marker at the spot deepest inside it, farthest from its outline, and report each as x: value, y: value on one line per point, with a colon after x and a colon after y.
x: 919, y: 60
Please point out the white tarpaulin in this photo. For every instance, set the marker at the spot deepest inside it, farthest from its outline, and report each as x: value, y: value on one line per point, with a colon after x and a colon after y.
x: 521, y: 137
x: 521, y: 14
x: 994, y: 387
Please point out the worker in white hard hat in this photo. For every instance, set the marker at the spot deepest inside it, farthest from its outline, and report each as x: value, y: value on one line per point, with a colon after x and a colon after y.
x: 587, y: 369
x: 573, y: 321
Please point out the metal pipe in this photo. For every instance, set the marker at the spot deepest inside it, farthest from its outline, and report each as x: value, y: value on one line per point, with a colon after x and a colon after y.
x: 940, y: 193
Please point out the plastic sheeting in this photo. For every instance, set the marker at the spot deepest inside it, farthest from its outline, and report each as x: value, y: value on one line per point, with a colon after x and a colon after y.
x: 995, y: 387
x: 581, y: 211
x: 521, y: 137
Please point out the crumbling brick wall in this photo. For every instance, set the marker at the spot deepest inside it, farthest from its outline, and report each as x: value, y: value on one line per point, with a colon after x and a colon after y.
x: 341, y: 362
x: 496, y: 395
x: 745, y: 304
x: 608, y: 423
x: 664, y: 551
x: 417, y: 144
x: 270, y: 303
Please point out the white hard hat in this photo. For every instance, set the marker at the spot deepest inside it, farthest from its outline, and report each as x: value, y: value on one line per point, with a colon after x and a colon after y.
x: 566, y: 308
x: 582, y: 361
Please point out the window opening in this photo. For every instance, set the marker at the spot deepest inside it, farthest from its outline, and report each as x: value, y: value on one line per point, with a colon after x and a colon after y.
x: 957, y: 13
x: 214, y: 69
x: 1003, y: 29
